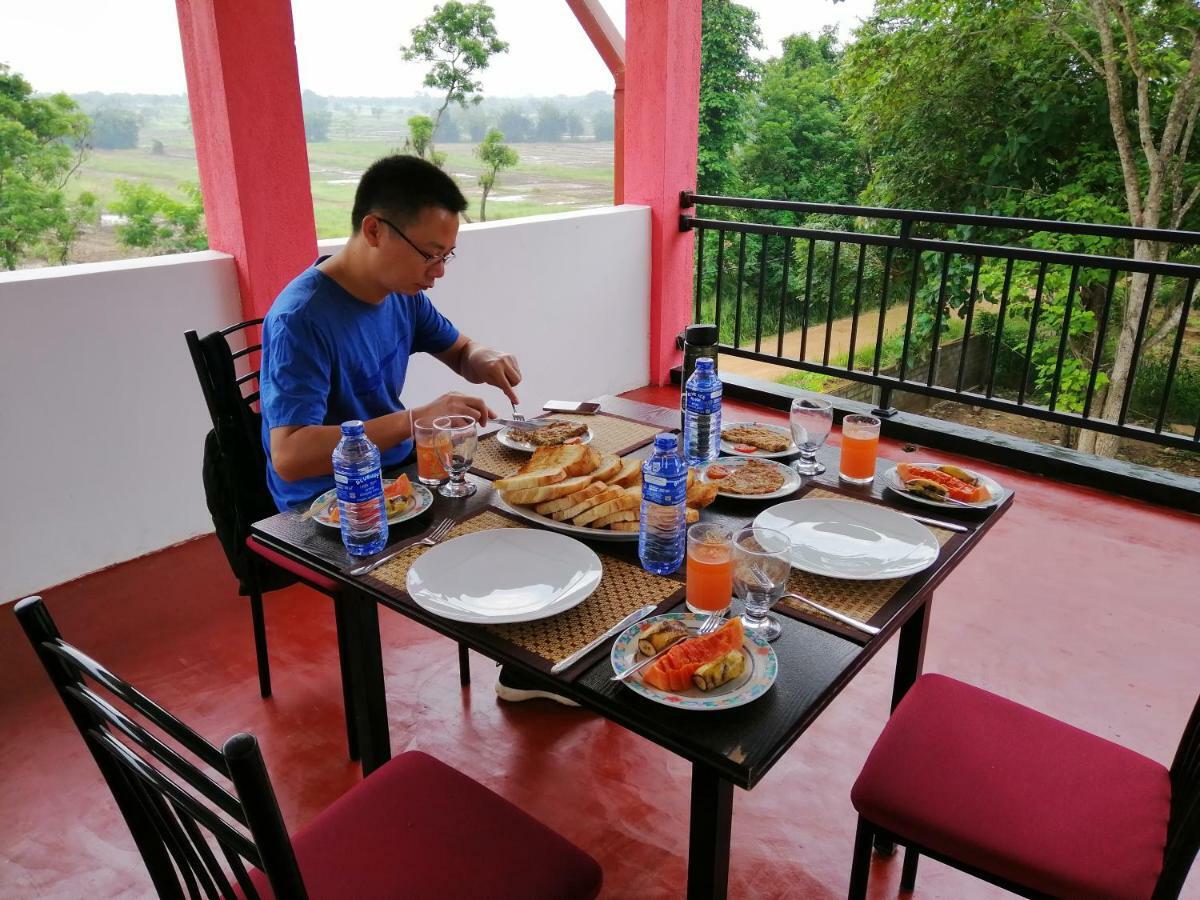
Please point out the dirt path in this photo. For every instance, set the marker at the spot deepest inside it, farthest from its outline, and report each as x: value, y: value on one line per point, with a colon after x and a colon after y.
x: 839, y: 343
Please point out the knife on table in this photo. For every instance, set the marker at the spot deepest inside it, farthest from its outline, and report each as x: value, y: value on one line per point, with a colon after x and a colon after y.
x: 633, y: 617
x: 936, y: 523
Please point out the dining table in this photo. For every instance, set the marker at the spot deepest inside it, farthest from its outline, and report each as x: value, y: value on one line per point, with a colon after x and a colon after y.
x: 726, y: 748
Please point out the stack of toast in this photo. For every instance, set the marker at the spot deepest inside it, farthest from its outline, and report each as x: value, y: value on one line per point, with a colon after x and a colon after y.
x: 575, y: 484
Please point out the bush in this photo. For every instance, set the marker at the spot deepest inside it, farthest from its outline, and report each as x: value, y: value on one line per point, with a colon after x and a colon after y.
x: 1183, y: 406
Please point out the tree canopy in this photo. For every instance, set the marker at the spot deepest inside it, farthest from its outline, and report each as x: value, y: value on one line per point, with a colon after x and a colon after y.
x: 728, y: 75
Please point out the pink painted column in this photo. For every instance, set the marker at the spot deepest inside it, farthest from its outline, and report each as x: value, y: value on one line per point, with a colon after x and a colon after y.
x: 244, y: 94
x: 662, y: 111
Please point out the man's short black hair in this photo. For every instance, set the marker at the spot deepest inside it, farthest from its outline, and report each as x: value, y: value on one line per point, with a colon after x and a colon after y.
x: 402, y: 186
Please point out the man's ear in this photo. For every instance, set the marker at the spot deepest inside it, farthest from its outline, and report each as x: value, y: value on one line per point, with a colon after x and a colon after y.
x: 370, y: 230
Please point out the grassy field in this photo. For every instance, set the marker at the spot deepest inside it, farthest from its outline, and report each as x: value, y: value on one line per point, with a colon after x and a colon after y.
x: 550, y: 177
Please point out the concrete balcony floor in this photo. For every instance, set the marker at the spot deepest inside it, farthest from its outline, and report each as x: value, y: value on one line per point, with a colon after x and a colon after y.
x: 1078, y: 603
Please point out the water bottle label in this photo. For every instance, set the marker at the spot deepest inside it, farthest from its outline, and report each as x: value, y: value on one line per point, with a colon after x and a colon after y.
x: 358, y: 488
x: 703, y: 403
x: 664, y: 491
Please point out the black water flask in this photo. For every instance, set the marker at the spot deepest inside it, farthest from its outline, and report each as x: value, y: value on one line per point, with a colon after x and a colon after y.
x: 698, y: 341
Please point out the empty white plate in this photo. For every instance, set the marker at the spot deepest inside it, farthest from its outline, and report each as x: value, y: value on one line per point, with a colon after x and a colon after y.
x: 503, y: 575
x: 850, y: 539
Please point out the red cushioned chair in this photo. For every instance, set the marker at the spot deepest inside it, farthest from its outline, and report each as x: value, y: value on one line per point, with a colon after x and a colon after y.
x: 1025, y: 801
x: 414, y: 828
x: 235, y: 488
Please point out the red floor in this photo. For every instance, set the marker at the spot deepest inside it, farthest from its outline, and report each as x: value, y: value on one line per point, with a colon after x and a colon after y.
x: 1077, y: 603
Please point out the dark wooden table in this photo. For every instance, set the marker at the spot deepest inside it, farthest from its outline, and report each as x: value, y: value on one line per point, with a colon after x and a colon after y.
x: 735, y: 747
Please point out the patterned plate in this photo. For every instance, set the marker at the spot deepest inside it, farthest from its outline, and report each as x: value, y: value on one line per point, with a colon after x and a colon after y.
x: 323, y: 506
x: 762, y: 665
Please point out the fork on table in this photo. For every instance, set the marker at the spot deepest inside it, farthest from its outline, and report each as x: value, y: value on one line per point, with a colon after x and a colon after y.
x: 434, y: 537
x: 708, y: 626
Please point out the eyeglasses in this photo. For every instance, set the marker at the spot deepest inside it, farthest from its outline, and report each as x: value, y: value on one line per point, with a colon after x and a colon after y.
x: 430, y: 259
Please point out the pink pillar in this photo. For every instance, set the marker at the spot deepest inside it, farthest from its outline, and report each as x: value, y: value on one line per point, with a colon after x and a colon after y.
x: 662, y: 111
x: 244, y: 93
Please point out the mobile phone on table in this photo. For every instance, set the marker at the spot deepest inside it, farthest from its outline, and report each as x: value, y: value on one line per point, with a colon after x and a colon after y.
x: 572, y: 406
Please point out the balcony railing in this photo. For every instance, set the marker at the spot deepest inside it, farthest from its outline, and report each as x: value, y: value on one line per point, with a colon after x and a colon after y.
x: 1028, y: 313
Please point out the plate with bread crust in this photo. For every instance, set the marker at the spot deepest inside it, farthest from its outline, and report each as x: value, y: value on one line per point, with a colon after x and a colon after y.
x: 760, y: 667
x: 743, y: 435
x: 752, y: 479
x: 518, y: 440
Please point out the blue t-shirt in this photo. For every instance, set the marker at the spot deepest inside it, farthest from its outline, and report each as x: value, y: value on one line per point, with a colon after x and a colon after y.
x: 329, y: 357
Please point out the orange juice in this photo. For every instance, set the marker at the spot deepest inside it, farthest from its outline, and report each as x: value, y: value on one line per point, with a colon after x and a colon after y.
x: 429, y: 467
x: 709, y: 577
x: 858, y: 456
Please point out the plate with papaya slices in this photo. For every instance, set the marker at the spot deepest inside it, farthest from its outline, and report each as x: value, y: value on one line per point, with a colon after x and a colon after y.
x: 733, y: 667
x: 404, y: 500
x: 945, y: 485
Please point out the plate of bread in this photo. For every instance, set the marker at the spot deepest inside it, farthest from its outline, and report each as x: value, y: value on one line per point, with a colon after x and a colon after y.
x: 719, y: 671
x: 577, y: 490
x: 751, y: 479
x: 757, y: 439
x: 554, y: 433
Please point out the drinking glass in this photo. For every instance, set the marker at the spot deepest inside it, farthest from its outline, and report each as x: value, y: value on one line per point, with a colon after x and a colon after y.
x: 761, y: 566
x: 709, y: 568
x: 429, y: 468
x: 860, y: 446
x: 811, y: 419
x: 455, y: 441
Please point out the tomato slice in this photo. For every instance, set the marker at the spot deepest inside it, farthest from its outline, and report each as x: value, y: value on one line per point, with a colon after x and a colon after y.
x: 745, y: 448
x: 715, y: 472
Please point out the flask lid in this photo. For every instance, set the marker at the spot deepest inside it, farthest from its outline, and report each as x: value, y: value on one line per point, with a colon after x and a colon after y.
x: 701, y: 335
x: 353, y: 428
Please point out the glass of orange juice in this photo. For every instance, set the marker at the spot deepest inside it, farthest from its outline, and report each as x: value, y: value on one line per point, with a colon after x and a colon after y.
x: 709, y: 568
x: 860, y: 447
x: 429, y: 467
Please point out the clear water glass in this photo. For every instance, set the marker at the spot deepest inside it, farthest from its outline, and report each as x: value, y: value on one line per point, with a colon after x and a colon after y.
x: 456, y: 439
x: 811, y: 419
x: 761, y: 566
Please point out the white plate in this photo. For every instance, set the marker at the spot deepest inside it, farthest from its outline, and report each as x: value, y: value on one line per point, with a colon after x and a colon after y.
x: 727, y: 446
x: 851, y: 539
x: 791, y: 479
x: 503, y: 575
x: 322, y: 506
x: 509, y: 437
x: 761, y: 668
x: 595, y: 534
x: 891, y: 479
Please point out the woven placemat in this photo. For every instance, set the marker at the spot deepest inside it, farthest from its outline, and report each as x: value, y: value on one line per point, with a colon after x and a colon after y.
x: 610, y: 434
x: 624, y: 587
x: 861, y: 600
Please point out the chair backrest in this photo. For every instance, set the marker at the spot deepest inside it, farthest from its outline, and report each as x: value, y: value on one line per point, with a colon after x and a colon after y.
x: 1183, y: 828
x: 180, y: 817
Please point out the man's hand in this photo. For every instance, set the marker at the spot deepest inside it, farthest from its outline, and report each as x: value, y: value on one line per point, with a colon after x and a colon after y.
x: 484, y: 365
x: 455, y: 404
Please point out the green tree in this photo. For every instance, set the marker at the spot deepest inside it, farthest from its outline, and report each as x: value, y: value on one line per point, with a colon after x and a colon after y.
x: 602, y: 126
x: 495, y: 155
x: 574, y: 125
x: 114, y: 128
x: 317, y: 117
x: 516, y: 125
x: 42, y: 142
x: 420, y: 139
x: 157, y: 222
x: 728, y: 76
x: 459, y: 39
x: 551, y: 122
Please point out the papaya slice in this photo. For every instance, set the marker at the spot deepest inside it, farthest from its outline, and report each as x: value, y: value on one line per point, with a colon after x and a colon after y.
x: 955, y: 487
x: 674, y: 669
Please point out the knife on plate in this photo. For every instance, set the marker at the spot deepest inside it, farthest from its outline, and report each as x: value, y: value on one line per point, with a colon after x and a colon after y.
x: 632, y: 618
x: 522, y: 424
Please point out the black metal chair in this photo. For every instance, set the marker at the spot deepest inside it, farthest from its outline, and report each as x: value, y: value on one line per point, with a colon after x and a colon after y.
x: 414, y: 828
x: 1024, y: 801
x: 235, y: 486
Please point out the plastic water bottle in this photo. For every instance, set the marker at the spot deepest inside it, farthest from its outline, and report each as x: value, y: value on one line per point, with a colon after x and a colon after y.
x: 359, y: 479
x: 662, y: 537
x: 702, y: 414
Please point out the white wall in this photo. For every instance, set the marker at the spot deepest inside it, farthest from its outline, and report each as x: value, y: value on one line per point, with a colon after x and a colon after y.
x: 103, y: 420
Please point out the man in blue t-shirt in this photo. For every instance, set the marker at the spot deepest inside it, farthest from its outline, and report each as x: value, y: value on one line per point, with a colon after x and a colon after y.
x: 337, y: 340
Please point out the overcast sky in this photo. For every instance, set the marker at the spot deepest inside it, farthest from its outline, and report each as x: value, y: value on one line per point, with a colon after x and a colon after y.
x: 85, y: 45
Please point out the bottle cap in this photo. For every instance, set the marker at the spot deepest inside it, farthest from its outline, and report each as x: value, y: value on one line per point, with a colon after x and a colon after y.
x: 705, y: 363
x: 701, y: 335
x: 353, y: 428
x: 666, y: 442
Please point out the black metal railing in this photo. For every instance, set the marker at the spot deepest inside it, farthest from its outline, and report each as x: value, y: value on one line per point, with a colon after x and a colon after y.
x: 1022, y: 315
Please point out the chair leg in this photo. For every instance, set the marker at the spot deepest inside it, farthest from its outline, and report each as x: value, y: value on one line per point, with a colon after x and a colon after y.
x: 860, y: 867
x: 464, y: 665
x: 908, y: 875
x: 260, y: 643
x: 344, y: 651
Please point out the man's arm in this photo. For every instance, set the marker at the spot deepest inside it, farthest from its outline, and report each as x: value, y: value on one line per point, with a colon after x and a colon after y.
x: 482, y: 365
x: 306, y: 451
